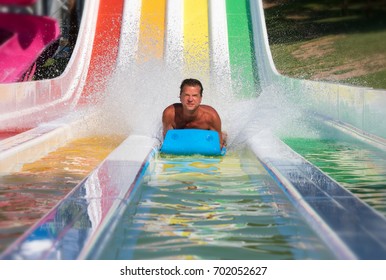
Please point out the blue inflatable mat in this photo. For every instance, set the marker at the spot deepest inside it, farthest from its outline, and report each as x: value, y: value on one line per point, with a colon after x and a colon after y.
x: 192, y: 141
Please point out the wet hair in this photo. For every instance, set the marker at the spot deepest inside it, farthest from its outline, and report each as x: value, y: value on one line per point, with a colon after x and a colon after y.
x: 192, y: 83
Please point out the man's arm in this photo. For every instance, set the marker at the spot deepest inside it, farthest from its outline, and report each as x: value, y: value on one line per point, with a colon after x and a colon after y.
x: 167, y: 119
x: 216, y: 125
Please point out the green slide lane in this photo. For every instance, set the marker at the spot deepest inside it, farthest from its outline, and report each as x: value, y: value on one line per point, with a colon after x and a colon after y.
x: 242, y: 60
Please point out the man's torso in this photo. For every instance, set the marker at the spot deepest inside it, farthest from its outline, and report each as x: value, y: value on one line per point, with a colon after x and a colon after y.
x: 203, y: 120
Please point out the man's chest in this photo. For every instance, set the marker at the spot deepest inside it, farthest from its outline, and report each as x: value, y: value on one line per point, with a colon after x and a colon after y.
x: 200, y: 124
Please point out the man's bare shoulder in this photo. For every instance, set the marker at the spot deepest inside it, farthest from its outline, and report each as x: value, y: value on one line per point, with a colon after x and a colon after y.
x: 209, y: 110
x: 172, y: 108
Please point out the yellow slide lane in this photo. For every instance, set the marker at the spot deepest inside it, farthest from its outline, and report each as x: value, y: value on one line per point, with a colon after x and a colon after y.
x: 152, y: 30
x: 196, y: 37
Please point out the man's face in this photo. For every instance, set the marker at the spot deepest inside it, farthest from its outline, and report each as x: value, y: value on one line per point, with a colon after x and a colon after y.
x: 190, y: 97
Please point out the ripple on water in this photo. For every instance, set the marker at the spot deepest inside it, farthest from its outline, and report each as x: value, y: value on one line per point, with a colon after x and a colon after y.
x: 234, y: 211
x: 27, y: 195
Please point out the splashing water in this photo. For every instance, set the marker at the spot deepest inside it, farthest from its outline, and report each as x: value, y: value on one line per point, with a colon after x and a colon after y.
x: 138, y: 93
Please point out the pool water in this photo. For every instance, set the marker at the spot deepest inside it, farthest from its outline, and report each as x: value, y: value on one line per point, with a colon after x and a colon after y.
x: 357, y: 166
x: 211, y: 208
x: 26, y: 196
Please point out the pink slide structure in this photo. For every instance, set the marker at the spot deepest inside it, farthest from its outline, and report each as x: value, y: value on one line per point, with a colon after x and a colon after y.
x: 28, y: 104
x: 26, y: 37
x: 36, y: 116
x: 18, y: 2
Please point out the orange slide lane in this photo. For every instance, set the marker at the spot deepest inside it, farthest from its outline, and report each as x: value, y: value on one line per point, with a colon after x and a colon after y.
x: 105, y: 49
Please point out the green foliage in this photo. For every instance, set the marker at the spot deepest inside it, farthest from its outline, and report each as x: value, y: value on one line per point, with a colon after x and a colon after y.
x: 329, y: 41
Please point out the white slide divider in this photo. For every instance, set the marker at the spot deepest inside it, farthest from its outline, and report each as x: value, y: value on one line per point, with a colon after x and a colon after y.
x: 174, y: 44
x: 219, y: 48
x: 128, y: 47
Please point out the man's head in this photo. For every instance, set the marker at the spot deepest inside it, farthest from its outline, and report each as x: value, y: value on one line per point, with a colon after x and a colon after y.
x: 191, y: 94
x: 191, y: 83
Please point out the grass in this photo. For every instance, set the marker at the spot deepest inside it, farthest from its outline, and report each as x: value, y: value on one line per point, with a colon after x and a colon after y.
x: 322, y: 41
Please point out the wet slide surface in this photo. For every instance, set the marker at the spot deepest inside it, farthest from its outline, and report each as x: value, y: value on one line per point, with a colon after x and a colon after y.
x: 194, y: 38
x: 190, y: 207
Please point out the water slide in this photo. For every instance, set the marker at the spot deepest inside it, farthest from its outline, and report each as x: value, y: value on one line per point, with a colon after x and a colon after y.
x: 27, y: 108
x: 26, y: 38
x: 223, y: 43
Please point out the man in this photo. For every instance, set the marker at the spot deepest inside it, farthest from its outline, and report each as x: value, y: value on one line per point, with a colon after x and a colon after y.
x: 190, y: 113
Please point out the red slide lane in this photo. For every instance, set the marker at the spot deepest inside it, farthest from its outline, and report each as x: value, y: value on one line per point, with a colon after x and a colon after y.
x: 105, y: 50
